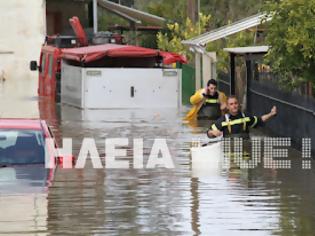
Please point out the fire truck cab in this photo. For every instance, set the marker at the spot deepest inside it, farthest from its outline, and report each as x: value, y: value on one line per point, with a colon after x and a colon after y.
x: 49, y: 66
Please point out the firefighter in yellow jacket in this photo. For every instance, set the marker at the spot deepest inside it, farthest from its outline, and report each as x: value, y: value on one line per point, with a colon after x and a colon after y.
x: 208, y: 103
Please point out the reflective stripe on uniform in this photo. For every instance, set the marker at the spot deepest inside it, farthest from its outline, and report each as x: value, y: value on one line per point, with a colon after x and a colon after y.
x: 236, y: 121
x: 255, y: 122
x: 212, y: 101
x: 213, y: 127
x: 244, y: 122
x: 227, y: 120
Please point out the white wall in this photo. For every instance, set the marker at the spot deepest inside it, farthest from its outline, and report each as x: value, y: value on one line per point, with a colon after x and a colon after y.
x: 22, y: 31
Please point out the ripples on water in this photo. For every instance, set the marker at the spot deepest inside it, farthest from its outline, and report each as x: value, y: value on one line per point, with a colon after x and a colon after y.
x: 158, y: 201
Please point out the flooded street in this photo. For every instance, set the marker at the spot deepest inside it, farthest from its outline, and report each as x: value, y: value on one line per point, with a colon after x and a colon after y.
x: 109, y: 78
x: 157, y: 201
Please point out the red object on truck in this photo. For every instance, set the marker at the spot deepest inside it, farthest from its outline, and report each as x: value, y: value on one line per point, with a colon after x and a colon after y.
x: 93, y: 53
x: 79, y: 31
x: 77, y: 49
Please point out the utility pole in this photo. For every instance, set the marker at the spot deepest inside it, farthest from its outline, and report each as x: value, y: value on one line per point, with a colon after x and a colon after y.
x: 95, y: 16
x: 193, y: 10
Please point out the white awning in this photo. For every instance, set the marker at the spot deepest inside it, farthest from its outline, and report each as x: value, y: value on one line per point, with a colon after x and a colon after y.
x: 227, y: 30
x: 248, y: 50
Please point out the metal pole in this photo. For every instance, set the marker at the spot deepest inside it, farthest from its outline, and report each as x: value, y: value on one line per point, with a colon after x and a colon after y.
x: 95, y: 16
x: 199, y: 30
x: 248, y: 83
x: 232, y: 74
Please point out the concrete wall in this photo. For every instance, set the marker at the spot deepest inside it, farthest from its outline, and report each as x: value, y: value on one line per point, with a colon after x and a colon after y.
x: 23, y: 29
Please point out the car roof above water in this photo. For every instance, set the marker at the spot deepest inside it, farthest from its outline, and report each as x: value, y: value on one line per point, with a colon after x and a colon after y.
x: 25, y: 124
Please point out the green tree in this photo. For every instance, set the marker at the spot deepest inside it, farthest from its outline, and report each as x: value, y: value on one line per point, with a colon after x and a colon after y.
x: 291, y: 34
x: 171, y: 41
x: 241, y: 39
x: 172, y: 10
x: 229, y: 10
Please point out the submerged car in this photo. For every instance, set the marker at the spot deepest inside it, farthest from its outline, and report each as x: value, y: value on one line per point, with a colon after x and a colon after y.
x: 23, y: 154
x: 24, y: 180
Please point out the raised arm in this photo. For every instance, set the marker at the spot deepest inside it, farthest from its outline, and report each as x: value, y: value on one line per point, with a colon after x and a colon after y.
x: 269, y: 115
x: 197, y: 97
x: 222, y: 99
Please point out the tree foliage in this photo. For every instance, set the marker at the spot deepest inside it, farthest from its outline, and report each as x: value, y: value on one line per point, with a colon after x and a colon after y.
x: 225, y: 12
x: 241, y: 39
x: 180, y: 27
x: 171, y: 41
x: 291, y: 34
x: 171, y: 10
x: 229, y: 10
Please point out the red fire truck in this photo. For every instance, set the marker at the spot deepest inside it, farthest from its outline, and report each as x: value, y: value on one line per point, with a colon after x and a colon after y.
x: 50, y: 57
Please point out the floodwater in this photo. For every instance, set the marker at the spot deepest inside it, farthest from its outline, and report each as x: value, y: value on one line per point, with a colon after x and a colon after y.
x: 157, y: 201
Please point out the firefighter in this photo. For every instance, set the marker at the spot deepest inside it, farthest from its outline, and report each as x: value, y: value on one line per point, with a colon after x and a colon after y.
x: 236, y: 123
x: 208, y: 103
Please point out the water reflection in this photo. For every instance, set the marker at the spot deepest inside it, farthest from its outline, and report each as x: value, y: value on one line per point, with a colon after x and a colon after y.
x: 23, y: 199
x: 160, y: 201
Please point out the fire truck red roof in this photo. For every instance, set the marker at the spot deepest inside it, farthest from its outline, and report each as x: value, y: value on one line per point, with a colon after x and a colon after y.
x: 93, y: 53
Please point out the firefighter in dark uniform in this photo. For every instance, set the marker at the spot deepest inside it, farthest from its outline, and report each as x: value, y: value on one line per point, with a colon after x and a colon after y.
x: 236, y: 123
